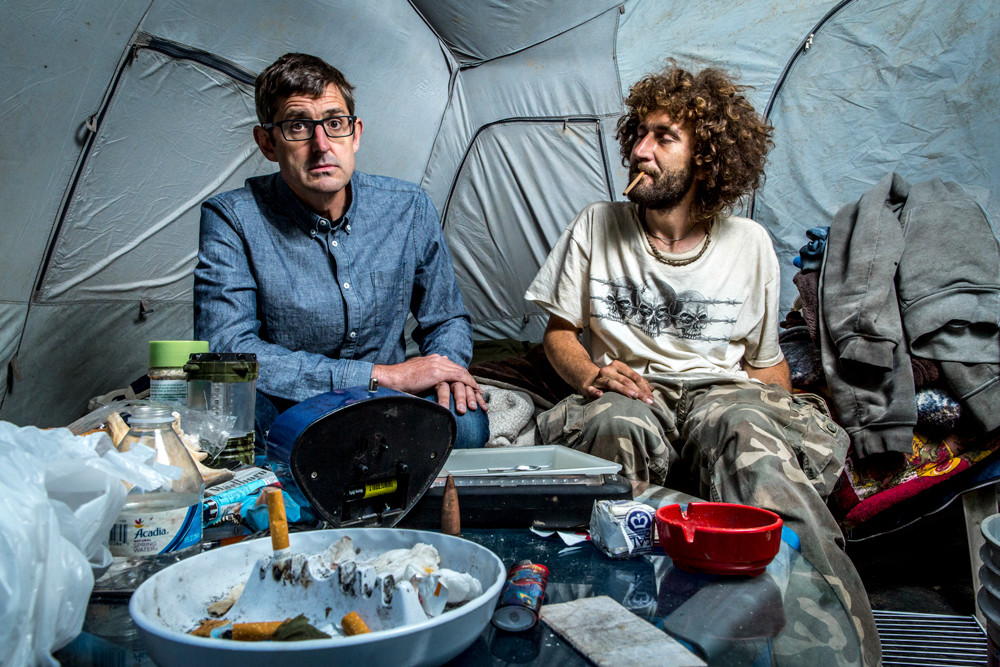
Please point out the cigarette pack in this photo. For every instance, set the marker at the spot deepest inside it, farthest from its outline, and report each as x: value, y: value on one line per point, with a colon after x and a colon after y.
x: 622, y: 528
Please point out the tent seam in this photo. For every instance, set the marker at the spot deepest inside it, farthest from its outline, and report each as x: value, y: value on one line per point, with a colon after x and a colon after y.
x: 542, y: 41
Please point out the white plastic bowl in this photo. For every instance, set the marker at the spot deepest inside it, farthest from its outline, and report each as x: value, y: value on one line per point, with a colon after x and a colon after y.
x: 172, y: 602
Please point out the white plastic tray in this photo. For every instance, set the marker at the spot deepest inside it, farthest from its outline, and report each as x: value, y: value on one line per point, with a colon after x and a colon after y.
x: 172, y: 602
x: 550, y: 459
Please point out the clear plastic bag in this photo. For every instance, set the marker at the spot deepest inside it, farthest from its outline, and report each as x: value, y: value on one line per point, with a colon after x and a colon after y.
x: 211, y: 430
x: 59, y: 495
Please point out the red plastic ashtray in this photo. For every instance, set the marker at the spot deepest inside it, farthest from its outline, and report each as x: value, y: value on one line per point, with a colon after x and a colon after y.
x: 719, y: 538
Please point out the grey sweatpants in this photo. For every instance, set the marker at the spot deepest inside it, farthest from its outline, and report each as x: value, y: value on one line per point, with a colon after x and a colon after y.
x: 737, y: 441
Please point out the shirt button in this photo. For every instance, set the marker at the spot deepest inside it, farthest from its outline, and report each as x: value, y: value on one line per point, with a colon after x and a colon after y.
x: 354, y: 334
x: 312, y: 232
x: 323, y: 224
x: 347, y: 285
x: 333, y: 243
x: 348, y: 228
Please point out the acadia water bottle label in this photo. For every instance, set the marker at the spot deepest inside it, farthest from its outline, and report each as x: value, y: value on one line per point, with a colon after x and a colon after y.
x: 151, y: 533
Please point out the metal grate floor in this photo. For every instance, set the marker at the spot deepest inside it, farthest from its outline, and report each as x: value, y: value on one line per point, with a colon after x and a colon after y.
x: 930, y: 640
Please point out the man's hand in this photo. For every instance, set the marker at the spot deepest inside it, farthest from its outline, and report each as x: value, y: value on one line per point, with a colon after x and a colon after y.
x: 778, y: 374
x: 422, y: 373
x: 618, y: 377
x: 568, y: 356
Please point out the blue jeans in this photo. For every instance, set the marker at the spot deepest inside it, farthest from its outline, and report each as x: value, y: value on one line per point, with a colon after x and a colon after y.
x: 473, y: 428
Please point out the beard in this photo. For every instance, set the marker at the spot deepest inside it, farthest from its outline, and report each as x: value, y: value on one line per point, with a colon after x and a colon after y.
x: 666, y: 191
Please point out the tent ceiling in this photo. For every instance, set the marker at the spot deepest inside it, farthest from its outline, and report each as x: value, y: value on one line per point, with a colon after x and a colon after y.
x: 481, y: 30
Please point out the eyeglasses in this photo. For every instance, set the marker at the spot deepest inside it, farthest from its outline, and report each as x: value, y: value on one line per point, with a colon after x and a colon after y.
x: 302, y: 129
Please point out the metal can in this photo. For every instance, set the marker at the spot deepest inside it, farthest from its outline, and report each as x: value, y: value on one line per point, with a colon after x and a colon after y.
x: 521, y: 597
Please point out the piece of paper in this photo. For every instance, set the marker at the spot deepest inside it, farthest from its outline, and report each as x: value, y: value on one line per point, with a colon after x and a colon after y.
x: 569, y: 539
x: 611, y: 636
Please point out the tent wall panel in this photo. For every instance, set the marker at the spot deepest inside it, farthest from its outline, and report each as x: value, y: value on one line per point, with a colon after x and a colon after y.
x: 903, y: 87
x: 12, y: 317
x: 480, y: 31
x: 74, y: 351
x: 176, y: 132
x: 384, y: 49
x: 754, y: 38
x: 572, y: 74
x: 57, y: 61
x: 520, y: 185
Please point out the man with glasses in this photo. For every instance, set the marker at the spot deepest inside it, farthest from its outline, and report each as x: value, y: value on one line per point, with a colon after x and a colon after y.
x: 315, y: 267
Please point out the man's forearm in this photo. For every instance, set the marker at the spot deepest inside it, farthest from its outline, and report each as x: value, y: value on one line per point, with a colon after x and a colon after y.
x: 569, y: 358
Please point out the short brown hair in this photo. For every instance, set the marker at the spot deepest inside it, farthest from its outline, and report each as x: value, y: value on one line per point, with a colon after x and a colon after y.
x: 731, y: 139
x: 297, y: 74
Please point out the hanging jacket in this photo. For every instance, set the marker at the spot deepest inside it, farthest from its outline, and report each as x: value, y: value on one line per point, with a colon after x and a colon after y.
x: 909, y: 269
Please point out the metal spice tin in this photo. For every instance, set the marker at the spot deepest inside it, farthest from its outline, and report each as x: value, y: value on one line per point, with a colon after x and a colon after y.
x: 521, y: 597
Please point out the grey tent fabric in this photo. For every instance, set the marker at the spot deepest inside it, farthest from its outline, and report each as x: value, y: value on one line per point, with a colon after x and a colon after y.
x: 384, y: 49
x: 572, y: 74
x: 519, y: 186
x: 465, y: 97
x: 909, y: 87
x: 57, y: 61
x: 127, y: 230
x: 498, y: 28
x: 754, y: 38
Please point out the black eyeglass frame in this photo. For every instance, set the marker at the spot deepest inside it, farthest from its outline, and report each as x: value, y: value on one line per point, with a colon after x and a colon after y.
x: 351, y: 120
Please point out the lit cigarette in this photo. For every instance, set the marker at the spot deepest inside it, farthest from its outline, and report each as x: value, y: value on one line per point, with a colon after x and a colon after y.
x: 633, y: 184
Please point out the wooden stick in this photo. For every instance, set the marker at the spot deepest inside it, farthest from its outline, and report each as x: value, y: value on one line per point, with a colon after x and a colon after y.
x: 451, y: 520
x: 633, y: 184
x: 117, y: 428
x: 279, y: 524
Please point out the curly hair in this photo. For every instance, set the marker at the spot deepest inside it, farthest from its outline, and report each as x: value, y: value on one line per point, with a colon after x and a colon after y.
x: 731, y: 139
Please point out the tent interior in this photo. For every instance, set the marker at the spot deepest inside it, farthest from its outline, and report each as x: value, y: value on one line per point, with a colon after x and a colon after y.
x: 120, y: 118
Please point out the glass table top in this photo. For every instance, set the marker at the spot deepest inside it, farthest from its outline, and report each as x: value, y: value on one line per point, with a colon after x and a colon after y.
x: 788, y: 616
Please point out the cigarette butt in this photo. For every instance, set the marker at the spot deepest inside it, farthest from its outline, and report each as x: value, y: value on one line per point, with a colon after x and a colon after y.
x: 255, y: 632
x: 206, y: 627
x: 279, y: 523
x: 633, y: 184
x: 451, y: 520
x: 353, y: 625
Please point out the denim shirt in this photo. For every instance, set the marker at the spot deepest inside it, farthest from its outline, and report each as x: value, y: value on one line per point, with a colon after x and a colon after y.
x: 321, y: 303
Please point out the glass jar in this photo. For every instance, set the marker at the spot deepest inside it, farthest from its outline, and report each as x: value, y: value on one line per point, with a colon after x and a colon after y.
x: 167, y: 379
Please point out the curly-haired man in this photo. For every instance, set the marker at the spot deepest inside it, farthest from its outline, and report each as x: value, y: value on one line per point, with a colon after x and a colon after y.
x: 691, y: 390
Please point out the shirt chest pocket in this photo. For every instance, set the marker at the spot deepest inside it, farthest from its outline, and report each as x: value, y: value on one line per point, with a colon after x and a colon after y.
x: 388, y: 288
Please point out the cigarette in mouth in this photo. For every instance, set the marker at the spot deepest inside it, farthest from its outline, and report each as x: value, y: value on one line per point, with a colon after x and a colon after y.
x: 633, y: 184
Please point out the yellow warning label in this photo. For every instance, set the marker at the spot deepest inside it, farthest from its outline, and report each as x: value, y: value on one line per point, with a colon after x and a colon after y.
x: 380, y: 488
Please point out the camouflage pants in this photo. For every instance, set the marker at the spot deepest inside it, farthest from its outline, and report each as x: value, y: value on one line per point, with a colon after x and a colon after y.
x: 731, y: 440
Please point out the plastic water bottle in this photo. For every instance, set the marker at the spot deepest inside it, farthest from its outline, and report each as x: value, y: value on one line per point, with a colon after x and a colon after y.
x: 158, y: 527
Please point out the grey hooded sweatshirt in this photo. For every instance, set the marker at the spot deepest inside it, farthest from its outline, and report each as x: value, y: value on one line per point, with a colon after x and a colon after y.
x: 909, y: 270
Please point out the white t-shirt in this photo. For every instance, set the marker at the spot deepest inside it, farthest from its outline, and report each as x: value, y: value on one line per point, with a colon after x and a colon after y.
x: 657, y: 318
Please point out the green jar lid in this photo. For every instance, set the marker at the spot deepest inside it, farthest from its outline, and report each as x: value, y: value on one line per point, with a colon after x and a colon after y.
x: 222, y: 367
x: 174, y: 353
